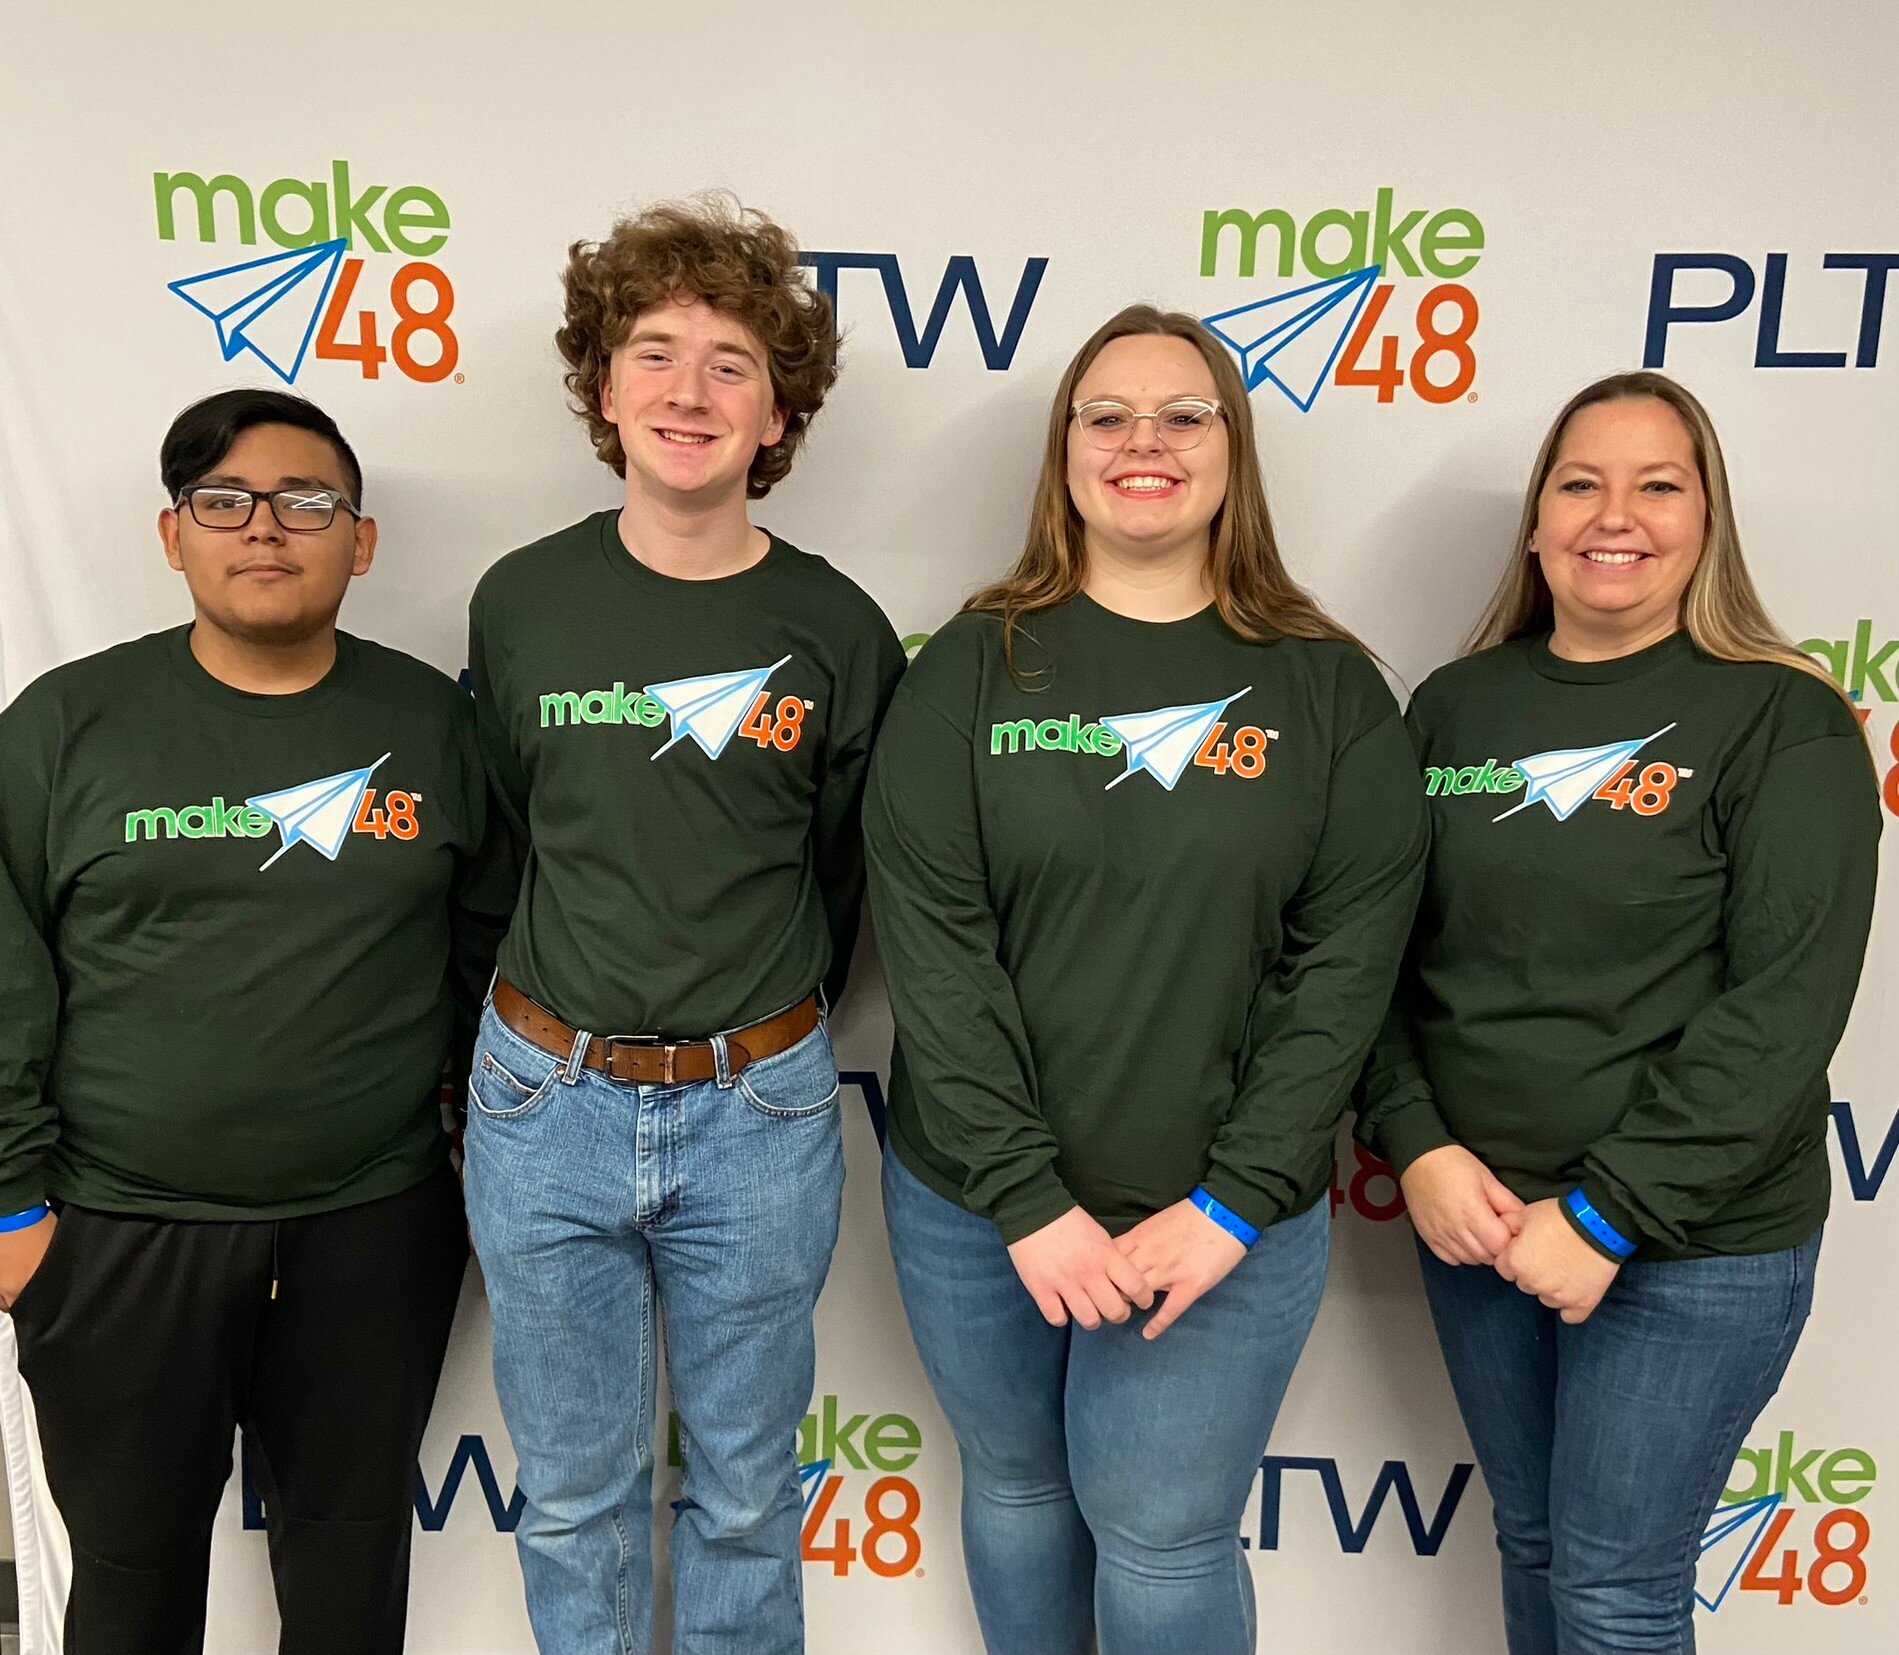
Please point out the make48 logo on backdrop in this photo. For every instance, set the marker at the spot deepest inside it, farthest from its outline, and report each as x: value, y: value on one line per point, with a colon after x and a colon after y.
x: 1866, y: 666
x: 353, y: 282
x: 1790, y: 1525
x: 1370, y: 298
x: 859, y: 1508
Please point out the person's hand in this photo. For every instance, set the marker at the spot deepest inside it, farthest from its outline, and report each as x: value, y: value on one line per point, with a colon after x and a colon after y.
x: 1461, y: 1212
x: 20, y: 1254
x: 1550, y: 1260
x: 1180, y: 1252
x: 1073, y: 1268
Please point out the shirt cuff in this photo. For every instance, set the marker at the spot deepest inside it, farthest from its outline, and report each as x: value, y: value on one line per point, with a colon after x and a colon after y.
x: 1412, y: 1131
x: 1031, y: 1206
x: 1257, y: 1208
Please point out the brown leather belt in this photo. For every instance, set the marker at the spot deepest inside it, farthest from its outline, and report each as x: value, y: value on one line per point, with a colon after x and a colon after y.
x: 646, y: 1058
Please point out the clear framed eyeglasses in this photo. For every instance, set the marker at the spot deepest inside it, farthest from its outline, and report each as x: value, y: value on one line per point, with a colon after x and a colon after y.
x: 1180, y: 424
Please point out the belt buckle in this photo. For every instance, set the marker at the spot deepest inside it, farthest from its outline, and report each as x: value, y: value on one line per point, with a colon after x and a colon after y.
x: 667, y: 1049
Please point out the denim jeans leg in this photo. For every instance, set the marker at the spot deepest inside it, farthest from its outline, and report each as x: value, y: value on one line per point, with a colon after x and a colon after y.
x: 740, y: 1259
x: 1500, y: 1349
x: 1165, y: 1438
x: 999, y: 1372
x: 554, y: 1202
x: 1656, y: 1394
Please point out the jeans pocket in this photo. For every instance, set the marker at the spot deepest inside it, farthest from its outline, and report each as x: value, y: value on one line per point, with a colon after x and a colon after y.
x: 795, y: 1084
x: 509, y: 1091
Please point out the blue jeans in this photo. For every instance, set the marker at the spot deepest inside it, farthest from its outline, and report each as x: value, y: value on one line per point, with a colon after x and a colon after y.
x: 1103, y: 1476
x: 597, y: 1209
x: 1606, y: 1445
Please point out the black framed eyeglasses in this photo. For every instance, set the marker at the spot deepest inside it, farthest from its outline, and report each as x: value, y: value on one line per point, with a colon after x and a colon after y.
x: 1181, y: 424
x: 297, y: 510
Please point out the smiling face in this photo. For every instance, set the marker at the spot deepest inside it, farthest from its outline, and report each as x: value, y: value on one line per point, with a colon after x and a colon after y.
x: 264, y: 584
x: 1621, y: 519
x: 690, y: 391
x: 1143, y: 499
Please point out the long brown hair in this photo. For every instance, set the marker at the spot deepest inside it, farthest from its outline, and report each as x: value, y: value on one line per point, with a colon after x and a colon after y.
x: 1251, y: 588
x: 1720, y: 610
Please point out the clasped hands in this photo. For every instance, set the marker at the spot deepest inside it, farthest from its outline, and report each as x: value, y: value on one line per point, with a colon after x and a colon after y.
x: 1075, y: 1270
x: 1466, y: 1216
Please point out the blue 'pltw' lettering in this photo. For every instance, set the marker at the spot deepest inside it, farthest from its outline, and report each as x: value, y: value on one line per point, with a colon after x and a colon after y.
x: 471, y: 1453
x: 1394, y: 1476
x: 1664, y: 312
x: 871, y: 1084
x: 919, y: 349
x: 1865, y: 1182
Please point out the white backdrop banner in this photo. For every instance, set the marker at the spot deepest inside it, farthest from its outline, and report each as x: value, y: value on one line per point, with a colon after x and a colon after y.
x: 1419, y: 227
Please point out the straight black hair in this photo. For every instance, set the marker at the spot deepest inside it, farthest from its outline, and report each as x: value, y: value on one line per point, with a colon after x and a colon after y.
x: 204, y: 433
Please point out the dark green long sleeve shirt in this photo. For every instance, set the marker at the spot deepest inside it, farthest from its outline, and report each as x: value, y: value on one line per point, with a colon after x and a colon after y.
x: 1139, y: 918
x: 236, y: 932
x: 682, y: 765
x: 1650, y: 887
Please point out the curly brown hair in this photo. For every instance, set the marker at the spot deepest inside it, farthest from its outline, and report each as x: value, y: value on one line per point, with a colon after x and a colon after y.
x: 734, y: 259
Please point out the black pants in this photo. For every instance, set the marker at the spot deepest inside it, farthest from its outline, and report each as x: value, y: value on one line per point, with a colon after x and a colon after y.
x: 148, y: 1342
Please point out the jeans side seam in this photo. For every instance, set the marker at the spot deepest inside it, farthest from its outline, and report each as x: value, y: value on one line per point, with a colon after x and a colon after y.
x: 1737, y: 1420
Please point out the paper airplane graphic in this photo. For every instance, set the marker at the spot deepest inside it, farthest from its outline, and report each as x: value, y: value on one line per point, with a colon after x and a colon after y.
x: 710, y: 709
x: 269, y: 306
x: 1163, y: 742
x: 1723, y: 1555
x: 810, y: 1480
x: 1292, y: 339
x: 319, y: 813
x: 1566, y: 779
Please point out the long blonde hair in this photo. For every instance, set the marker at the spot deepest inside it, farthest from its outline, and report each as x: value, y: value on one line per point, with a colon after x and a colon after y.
x: 1720, y: 610
x: 1251, y: 588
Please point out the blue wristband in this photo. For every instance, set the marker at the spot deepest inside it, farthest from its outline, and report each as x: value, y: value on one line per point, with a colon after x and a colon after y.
x: 1228, y: 1220
x: 25, y: 1220
x: 1597, y: 1225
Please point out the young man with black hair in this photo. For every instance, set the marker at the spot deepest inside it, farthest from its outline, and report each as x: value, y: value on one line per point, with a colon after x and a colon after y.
x: 676, y: 708
x: 246, y: 916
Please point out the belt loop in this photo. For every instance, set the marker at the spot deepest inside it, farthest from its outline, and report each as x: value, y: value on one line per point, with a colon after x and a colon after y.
x: 575, y: 1058
x: 488, y: 999
x: 721, y: 1063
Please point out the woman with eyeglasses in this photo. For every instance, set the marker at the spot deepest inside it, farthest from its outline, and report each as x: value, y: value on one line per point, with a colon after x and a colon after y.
x: 1655, y: 833
x: 1144, y: 841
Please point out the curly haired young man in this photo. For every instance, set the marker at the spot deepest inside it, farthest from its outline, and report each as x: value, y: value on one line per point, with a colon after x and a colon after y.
x: 676, y: 709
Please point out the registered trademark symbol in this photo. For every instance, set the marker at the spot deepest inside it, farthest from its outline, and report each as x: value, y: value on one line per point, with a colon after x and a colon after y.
x: 920, y: 1576
x: 1471, y: 398
x: 462, y: 379
x: 1862, y: 1600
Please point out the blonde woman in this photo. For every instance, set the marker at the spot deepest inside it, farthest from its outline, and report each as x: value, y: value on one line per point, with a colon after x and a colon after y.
x: 1144, y: 842
x: 1655, y: 832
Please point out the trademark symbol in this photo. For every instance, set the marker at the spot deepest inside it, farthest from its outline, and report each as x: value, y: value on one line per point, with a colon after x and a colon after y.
x: 462, y: 379
x: 1471, y: 398
x: 809, y: 705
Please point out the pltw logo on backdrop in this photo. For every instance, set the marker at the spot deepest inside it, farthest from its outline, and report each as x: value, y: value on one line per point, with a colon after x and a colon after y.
x: 286, y: 307
x: 1301, y: 339
x: 1719, y: 287
x: 960, y: 274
